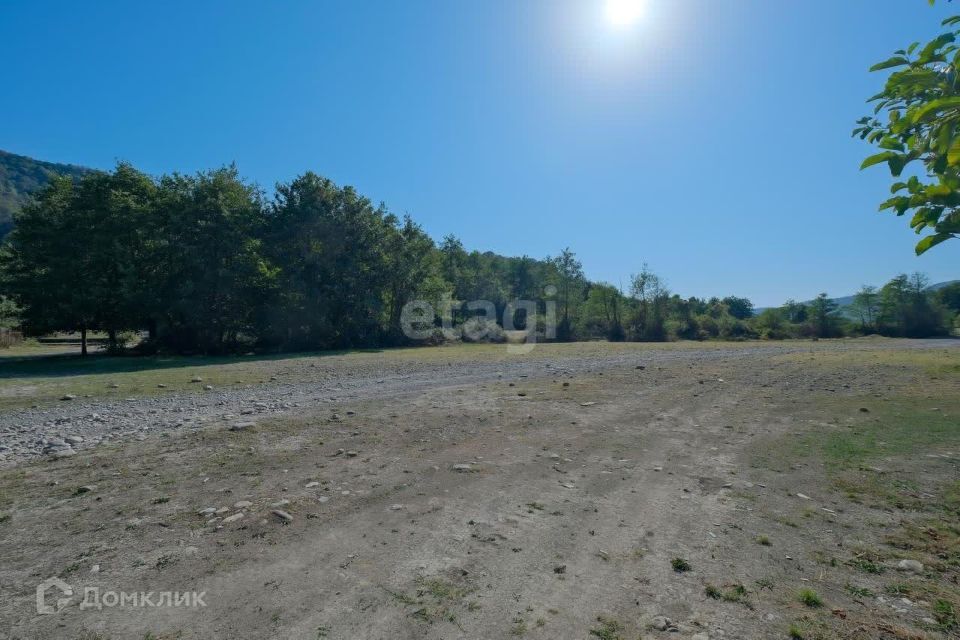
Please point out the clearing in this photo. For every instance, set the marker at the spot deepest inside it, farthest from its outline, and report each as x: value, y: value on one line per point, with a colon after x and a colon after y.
x: 754, y: 490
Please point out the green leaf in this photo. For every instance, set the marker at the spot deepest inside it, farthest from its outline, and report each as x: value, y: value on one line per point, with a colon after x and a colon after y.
x: 932, y: 108
x: 953, y: 156
x: 931, y: 241
x: 895, y: 61
x: 877, y: 159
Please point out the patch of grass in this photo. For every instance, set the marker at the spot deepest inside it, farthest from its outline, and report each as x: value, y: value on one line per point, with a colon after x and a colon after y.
x: 608, y: 629
x: 810, y: 598
x: 867, y: 566
x: 730, y: 593
x: 860, y: 592
x: 945, y: 614
x: 764, y: 541
x: 680, y: 565
x: 519, y: 627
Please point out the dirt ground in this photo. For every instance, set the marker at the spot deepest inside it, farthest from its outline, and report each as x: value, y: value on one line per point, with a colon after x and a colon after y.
x: 794, y: 490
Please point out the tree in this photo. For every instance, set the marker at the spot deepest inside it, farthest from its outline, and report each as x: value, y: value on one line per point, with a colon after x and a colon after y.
x: 949, y: 296
x: 652, y: 299
x: 740, y: 308
x: 920, y: 103
x: 215, y: 278
x: 330, y: 244
x: 866, y: 304
x: 603, y: 312
x: 43, y: 265
x: 821, y: 316
x: 570, y: 281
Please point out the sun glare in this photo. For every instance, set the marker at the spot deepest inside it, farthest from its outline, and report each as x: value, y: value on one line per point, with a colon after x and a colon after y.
x: 623, y: 13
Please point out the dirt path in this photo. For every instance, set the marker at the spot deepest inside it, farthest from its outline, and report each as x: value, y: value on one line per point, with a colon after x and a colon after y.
x: 589, y: 480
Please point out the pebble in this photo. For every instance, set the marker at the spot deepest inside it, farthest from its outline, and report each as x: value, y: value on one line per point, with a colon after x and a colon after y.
x: 242, y: 426
x: 462, y: 468
x: 283, y: 515
x: 396, y: 507
x: 243, y: 504
x: 69, y: 396
x: 661, y: 623
x: 311, y: 485
x: 910, y: 565
x: 232, y: 518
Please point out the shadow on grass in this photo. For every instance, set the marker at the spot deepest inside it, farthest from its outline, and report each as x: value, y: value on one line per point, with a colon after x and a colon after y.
x: 46, y: 365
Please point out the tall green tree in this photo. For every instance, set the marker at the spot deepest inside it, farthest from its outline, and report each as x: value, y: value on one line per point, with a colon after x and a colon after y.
x: 866, y: 304
x: 213, y: 276
x: 822, y: 319
x: 43, y: 264
x: 570, y: 282
x: 331, y: 245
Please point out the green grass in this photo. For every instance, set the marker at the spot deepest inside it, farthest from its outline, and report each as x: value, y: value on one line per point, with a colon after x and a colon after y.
x: 608, y: 629
x: 810, y: 598
x: 680, y: 565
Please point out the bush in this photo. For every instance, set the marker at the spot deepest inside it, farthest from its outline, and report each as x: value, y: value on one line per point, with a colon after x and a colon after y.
x: 482, y: 330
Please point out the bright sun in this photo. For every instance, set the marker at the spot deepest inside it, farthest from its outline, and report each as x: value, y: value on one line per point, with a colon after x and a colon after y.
x: 623, y: 13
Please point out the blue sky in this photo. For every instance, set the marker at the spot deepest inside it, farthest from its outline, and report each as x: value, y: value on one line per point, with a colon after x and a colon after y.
x: 710, y: 140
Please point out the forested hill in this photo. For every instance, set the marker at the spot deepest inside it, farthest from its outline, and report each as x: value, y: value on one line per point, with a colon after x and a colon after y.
x: 20, y: 177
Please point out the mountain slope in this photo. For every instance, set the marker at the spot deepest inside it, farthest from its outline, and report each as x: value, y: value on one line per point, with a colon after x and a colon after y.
x: 21, y: 177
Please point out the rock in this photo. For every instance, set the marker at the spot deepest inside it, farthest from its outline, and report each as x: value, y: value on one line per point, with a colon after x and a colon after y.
x: 69, y: 396
x: 232, y: 518
x: 587, y: 404
x: 196, y: 379
x: 804, y: 497
x: 661, y: 623
x: 352, y: 454
x: 283, y: 515
x: 700, y: 636
x: 222, y: 510
x: 208, y: 387
x: 280, y: 503
x: 73, y: 439
x: 910, y: 565
x: 95, y: 568
x: 242, y: 426
x: 462, y: 468
x: 396, y: 507
x: 209, y: 511
x: 243, y: 504
x: 161, y: 386
x: 323, y: 499
x: 87, y: 488
x: 311, y: 485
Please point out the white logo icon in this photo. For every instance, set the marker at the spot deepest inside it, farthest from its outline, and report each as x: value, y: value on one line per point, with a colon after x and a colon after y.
x: 43, y: 587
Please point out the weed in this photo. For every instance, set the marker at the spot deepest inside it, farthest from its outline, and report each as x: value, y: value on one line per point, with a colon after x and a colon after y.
x: 860, y: 592
x: 680, y: 565
x: 608, y: 629
x: 810, y: 598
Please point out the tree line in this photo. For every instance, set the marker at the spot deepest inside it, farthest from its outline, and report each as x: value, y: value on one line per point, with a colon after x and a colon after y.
x: 207, y: 263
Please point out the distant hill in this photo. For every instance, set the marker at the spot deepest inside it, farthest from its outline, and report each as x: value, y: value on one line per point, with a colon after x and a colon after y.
x: 21, y: 177
x: 846, y: 301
